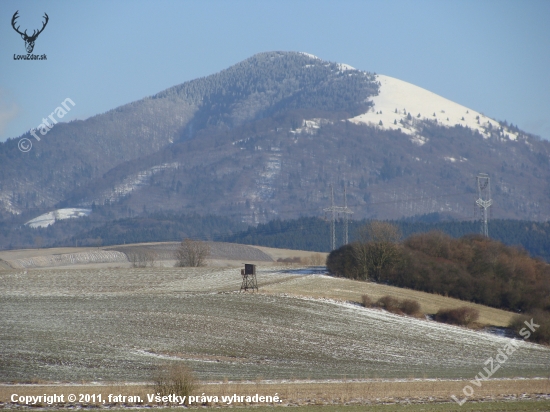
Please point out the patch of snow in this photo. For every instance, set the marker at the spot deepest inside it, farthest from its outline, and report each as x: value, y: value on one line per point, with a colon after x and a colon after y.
x: 131, y: 183
x: 310, y: 126
x: 310, y: 270
x: 343, y: 67
x: 417, y: 139
x: 240, y: 141
x: 453, y: 160
x: 50, y: 218
x: 401, y: 105
x: 311, y: 56
x: 7, y: 204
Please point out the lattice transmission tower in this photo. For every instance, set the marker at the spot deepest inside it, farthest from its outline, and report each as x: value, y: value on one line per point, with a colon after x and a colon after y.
x: 334, y: 210
x: 484, y: 200
x: 346, y: 211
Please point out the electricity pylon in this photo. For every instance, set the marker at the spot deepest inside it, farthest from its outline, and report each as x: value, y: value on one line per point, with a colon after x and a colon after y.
x: 334, y: 210
x: 484, y: 200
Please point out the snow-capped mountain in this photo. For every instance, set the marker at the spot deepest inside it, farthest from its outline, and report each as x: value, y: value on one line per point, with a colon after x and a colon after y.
x: 267, y: 137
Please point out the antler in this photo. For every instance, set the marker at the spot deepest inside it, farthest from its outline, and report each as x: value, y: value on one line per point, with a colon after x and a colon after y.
x: 15, y: 16
x: 35, y: 35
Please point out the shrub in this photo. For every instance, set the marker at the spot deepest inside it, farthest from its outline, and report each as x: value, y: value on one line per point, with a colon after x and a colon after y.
x: 367, y: 301
x: 142, y: 258
x: 410, y: 307
x: 389, y: 303
x: 462, y: 316
x: 341, y: 262
x: 174, y: 378
x: 317, y: 259
x: 516, y: 323
x: 541, y: 333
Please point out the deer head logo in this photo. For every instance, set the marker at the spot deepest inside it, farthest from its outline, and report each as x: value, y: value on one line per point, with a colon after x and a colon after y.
x: 29, y: 40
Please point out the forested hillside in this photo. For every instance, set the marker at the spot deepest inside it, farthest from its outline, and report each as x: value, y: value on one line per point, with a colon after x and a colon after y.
x: 75, y: 154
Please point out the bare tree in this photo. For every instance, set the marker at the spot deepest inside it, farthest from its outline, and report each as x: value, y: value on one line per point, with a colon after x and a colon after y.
x: 376, y: 249
x: 192, y: 253
x: 143, y: 258
x: 151, y: 258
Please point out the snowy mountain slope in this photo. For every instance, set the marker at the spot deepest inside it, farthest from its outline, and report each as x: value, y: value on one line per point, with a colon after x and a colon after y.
x: 131, y: 183
x: 410, y: 152
x: 267, y: 137
x: 399, y: 104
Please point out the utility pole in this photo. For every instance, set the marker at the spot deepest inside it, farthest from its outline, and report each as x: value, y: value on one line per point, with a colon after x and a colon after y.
x: 484, y: 200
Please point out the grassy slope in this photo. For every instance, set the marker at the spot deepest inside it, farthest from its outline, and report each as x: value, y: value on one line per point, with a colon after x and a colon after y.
x: 351, y: 290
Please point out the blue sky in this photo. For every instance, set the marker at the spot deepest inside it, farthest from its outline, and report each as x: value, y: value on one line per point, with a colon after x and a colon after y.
x: 492, y: 56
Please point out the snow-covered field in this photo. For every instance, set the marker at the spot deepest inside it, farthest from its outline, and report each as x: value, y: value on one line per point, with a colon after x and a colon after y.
x: 117, y: 324
x: 66, y: 259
